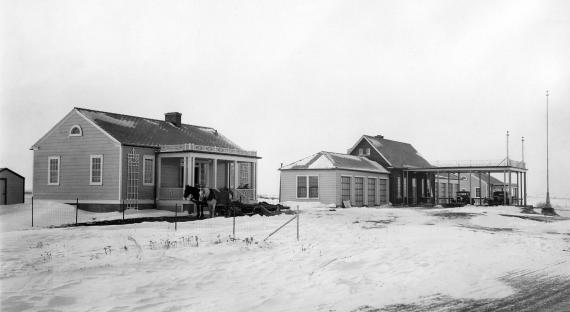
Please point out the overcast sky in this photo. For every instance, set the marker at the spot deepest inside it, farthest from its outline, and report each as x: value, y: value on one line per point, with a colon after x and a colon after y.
x: 291, y: 78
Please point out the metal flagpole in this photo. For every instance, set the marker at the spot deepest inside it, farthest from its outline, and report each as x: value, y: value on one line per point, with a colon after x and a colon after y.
x: 548, y: 210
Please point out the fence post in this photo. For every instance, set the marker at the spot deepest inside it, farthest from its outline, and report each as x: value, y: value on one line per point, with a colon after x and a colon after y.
x: 297, y: 222
x: 175, y: 217
x: 234, y: 225
x: 76, y: 209
x: 123, y: 206
x: 32, y: 211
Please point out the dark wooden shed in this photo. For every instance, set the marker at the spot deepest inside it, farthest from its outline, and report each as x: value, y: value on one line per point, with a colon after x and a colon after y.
x: 11, y: 187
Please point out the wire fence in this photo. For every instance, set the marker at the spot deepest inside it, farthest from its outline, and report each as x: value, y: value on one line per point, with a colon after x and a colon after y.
x: 256, y: 224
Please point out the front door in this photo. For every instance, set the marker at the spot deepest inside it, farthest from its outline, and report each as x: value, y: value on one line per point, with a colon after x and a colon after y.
x: 3, y: 192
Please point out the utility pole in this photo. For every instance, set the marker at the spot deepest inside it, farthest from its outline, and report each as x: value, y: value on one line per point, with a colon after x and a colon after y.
x: 510, y: 191
x: 547, y: 209
x: 522, y: 147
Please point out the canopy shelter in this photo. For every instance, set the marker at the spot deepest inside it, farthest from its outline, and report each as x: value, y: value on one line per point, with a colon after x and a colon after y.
x: 440, y: 184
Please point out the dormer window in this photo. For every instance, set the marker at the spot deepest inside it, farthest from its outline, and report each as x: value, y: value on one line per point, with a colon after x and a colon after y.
x: 368, y: 151
x: 360, y: 152
x: 75, y: 131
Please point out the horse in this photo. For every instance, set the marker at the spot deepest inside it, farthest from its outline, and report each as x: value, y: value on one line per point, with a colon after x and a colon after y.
x: 202, y: 197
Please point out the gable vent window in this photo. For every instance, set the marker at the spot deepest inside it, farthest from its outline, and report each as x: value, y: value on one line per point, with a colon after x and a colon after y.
x: 75, y: 131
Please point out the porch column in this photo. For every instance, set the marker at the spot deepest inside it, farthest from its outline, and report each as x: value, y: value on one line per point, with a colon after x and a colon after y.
x: 510, y: 188
x: 254, y: 178
x: 402, y: 188
x: 524, y: 182
x: 158, y: 175
x: 435, y: 189
x: 191, y: 170
x: 215, y: 173
x: 185, y: 174
x: 236, y: 172
x: 480, y: 190
x: 448, y: 187
x: 518, y: 190
x: 504, y: 187
x: 471, y: 184
x: 489, y: 185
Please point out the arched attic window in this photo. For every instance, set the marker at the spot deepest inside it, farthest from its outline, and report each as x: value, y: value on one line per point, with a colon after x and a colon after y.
x: 75, y: 131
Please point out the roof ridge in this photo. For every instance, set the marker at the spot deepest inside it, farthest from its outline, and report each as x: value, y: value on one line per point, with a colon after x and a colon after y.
x: 376, y: 138
x: 133, y: 116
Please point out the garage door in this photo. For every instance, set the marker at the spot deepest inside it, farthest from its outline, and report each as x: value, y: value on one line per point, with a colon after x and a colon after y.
x: 371, y: 192
x: 359, y: 192
x: 383, y: 191
x: 345, y: 188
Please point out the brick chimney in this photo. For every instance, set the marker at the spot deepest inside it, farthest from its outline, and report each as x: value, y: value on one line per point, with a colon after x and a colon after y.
x: 174, y: 118
x: 379, y: 136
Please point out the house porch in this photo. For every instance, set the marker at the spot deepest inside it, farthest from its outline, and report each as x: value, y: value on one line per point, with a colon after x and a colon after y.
x: 177, y: 169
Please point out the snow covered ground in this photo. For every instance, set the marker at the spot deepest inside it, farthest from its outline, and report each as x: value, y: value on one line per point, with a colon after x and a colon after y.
x: 358, y: 259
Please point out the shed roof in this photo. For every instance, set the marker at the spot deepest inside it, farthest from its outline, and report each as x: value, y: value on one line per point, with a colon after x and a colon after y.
x: 397, y: 154
x: 330, y: 160
x: 8, y: 169
x: 140, y: 131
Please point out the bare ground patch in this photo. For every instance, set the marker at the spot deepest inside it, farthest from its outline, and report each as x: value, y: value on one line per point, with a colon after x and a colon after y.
x: 533, y: 293
x: 456, y: 215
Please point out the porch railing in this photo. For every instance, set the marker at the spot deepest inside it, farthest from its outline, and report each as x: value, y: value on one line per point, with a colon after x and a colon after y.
x: 244, y: 194
x: 171, y: 193
x: 205, y: 148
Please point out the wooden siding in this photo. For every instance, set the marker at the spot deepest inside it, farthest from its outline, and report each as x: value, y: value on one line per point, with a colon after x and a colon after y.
x: 327, y: 185
x: 14, y: 188
x: 74, y: 153
x: 374, y: 155
x: 145, y: 192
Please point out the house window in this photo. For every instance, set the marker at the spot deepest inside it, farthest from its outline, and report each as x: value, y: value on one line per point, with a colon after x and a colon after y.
x: 477, y: 192
x: 368, y: 151
x: 244, y: 175
x: 301, y: 187
x: 96, y: 172
x: 148, y: 170
x: 310, y: 190
x: 360, y: 152
x: 444, y: 189
x: 313, y: 187
x: 53, y: 170
x: 345, y: 188
x: 75, y: 130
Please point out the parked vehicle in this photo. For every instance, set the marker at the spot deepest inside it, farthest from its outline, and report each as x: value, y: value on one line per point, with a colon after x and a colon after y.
x: 499, y: 199
x: 461, y: 199
x: 464, y: 197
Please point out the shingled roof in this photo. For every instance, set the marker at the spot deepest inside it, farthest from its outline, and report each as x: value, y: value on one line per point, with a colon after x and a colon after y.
x: 139, y: 131
x: 398, y: 154
x: 329, y: 160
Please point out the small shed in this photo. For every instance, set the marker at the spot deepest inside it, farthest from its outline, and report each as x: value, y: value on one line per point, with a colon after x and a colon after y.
x: 11, y: 187
x: 334, y: 178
